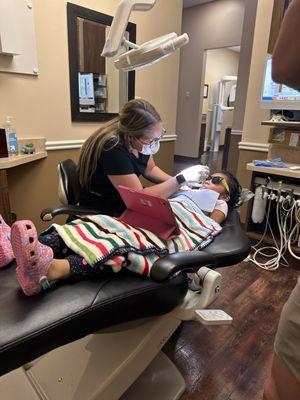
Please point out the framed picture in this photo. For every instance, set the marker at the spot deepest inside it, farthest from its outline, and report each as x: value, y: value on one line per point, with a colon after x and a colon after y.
x: 205, y: 91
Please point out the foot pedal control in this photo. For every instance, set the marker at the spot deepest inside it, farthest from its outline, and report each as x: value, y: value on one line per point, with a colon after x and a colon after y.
x: 213, y: 317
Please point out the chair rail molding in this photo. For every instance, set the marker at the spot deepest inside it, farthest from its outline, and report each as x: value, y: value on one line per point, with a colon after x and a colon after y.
x: 77, y: 143
x: 254, y: 146
x: 236, y: 132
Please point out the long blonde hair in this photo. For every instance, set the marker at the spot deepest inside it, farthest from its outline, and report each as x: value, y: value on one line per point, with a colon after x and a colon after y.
x: 135, y: 119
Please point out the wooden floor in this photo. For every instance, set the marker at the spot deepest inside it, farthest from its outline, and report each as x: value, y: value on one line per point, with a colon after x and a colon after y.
x: 232, y: 362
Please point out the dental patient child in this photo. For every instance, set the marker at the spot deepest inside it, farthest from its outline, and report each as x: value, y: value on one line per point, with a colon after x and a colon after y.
x: 229, y: 190
x: 46, y: 259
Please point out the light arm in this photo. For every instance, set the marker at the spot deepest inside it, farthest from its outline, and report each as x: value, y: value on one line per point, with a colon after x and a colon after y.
x: 119, y: 24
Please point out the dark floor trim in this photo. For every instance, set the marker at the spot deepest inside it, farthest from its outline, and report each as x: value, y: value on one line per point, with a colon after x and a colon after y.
x: 185, y: 159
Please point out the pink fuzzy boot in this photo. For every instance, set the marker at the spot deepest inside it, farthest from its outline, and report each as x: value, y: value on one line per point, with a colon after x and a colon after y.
x: 33, y: 258
x: 6, y: 252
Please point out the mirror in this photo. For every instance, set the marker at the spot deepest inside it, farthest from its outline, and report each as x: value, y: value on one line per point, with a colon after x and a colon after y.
x: 97, y: 89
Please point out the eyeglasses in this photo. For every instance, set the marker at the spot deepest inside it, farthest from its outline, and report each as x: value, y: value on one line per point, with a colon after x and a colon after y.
x: 217, y: 180
x: 152, y: 142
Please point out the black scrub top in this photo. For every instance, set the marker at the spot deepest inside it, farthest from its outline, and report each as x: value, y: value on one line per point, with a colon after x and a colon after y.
x: 102, y: 195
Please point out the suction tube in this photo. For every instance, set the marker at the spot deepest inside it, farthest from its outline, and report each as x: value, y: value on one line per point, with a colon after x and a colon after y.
x: 259, y: 206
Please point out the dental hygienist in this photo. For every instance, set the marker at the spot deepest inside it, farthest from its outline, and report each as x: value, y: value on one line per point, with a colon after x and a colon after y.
x: 120, y: 152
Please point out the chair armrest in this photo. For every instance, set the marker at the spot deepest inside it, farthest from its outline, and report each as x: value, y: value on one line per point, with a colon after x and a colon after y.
x: 49, y: 213
x: 165, y: 267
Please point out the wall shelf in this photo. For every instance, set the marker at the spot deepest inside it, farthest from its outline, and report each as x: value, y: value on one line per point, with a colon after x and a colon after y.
x: 275, y: 171
x: 14, y: 161
x: 283, y: 124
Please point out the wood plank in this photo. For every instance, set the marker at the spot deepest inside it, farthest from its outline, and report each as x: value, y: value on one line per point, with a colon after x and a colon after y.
x: 232, y: 362
x: 269, y: 240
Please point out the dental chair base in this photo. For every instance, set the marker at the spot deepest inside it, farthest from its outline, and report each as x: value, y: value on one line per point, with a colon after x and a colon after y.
x: 48, y: 345
x: 104, y: 365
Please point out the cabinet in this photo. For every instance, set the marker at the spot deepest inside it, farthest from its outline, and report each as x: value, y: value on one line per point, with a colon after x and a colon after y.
x: 284, y: 179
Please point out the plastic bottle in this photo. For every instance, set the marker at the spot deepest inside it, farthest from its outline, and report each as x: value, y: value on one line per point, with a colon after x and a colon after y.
x: 11, y: 137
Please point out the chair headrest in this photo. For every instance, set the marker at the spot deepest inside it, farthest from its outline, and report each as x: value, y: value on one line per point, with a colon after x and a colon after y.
x: 69, y: 186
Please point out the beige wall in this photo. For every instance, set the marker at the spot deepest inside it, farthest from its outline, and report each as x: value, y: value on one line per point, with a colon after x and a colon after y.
x: 219, y: 62
x: 211, y: 25
x: 33, y: 186
x: 254, y: 114
x: 244, y: 63
x: 41, y: 105
x: 242, y: 84
x: 252, y: 131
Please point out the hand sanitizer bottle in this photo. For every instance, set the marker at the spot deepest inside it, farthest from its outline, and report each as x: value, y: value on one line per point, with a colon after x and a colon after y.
x: 11, y: 137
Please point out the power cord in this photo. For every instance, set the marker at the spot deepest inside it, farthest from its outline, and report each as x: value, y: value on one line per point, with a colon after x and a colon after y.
x: 295, y: 231
x: 285, y: 210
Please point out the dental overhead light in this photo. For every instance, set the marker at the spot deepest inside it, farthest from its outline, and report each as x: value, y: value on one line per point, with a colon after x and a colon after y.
x: 143, y: 55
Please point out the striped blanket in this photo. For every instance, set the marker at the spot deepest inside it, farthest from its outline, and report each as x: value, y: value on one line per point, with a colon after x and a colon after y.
x: 104, y: 239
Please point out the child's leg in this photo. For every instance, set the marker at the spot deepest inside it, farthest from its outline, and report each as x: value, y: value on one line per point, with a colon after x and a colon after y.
x: 80, y: 269
x: 58, y: 246
x: 33, y: 258
x: 36, y: 266
x: 59, y: 269
x: 6, y: 252
x: 72, y: 267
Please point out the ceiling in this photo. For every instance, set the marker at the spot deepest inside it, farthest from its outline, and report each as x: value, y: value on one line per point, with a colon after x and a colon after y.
x: 191, y: 3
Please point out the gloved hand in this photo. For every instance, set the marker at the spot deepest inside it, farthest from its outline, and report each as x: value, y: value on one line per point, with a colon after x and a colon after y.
x: 196, y: 173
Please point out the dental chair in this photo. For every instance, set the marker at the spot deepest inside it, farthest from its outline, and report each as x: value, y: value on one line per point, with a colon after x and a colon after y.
x: 101, y: 339
x: 68, y: 194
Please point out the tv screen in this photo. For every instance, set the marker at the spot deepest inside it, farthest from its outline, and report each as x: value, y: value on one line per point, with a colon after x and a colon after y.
x: 277, y: 96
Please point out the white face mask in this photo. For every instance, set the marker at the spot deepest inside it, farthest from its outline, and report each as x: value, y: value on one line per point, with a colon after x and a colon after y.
x: 150, y: 150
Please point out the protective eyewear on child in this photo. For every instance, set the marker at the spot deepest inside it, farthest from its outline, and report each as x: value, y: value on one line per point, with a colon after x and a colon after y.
x: 217, y: 180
